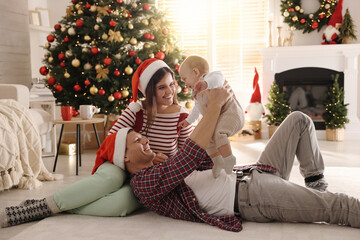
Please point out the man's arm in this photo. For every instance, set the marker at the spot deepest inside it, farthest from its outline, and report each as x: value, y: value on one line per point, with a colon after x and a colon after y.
x: 204, y: 131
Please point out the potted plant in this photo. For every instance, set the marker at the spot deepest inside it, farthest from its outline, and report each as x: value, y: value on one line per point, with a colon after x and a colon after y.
x: 347, y: 31
x: 335, y: 112
x: 277, y: 107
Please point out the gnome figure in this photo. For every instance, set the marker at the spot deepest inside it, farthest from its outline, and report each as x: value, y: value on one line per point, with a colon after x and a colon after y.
x: 332, y: 31
x: 255, y: 109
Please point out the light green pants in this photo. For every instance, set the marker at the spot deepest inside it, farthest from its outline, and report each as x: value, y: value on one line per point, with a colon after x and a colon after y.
x: 103, y: 194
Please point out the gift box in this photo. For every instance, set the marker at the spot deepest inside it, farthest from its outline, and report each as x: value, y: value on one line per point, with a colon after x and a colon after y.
x: 250, y: 131
x: 67, y: 148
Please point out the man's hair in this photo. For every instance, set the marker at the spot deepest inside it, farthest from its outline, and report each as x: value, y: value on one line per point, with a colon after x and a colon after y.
x: 196, y: 61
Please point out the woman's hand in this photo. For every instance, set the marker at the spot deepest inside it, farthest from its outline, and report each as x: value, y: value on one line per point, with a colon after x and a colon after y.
x: 219, y: 96
x: 183, y: 124
x: 159, y: 158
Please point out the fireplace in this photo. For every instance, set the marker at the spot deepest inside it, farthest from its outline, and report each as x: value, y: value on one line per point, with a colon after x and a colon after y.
x: 306, y: 90
x: 278, y: 62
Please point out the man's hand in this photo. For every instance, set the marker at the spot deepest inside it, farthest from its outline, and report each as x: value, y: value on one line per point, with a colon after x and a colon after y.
x: 159, y: 158
x: 183, y: 124
x: 200, y: 86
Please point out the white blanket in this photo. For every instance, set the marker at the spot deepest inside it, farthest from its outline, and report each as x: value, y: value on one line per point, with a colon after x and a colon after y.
x: 21, y: 163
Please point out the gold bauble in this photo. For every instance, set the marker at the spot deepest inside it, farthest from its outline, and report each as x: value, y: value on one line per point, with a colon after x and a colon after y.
x: 93, y: 8
x: 47, y: 45
x: 111, y: 98
x: 80, y: 12
x: 295, y: 19
x: 189, y: 105
x: 130, y: 26
x: 124, y: 93
x: 68, y: 53
x: 297, y: 8
x: 87, y: 38
x: 71, y: 31
x: 75, y: 62
x: 147, y: 45
x: 96, y: 27
x: 93, y: 90
x: 50, y: 59
x: 63, y: 29
x: 118, y: 56
x: 104, y: 36
x: 66, y: 75
x: 151, y: 55
x: 145, y: 22
x: 48, y: 76
x: 87, y: 66
x: 133, y: 41
x: 97, y: 66
x: 163, y: 48
x: 301, y: 10
x: 77, y: 6
x: 129, y: 70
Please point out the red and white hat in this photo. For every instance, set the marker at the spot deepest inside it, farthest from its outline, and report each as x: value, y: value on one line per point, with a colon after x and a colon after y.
x: 112, y: 149
x: 337, y: 15
x: 256, y: 96
x: 144, y: 73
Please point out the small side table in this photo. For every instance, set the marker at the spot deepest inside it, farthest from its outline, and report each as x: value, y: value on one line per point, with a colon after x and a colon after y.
x: 79, y: 121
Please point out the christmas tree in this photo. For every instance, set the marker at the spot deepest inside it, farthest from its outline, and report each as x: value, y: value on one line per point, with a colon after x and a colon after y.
x: 347, y: 29
x: 277, y: 106
x: 95, y: 49
x: 335, y: 109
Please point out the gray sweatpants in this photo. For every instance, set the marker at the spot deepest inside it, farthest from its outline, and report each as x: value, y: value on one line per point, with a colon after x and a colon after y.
x: 264, y: 197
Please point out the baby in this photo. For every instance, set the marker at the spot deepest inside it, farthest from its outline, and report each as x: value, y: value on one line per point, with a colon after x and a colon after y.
x: 194, y: 71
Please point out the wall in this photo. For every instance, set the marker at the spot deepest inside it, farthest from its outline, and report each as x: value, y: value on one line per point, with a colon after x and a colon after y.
x: 14, y: 42
x: 315, y: 37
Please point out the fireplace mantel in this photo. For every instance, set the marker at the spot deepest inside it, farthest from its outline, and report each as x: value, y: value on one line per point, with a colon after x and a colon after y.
x: 339, y: 57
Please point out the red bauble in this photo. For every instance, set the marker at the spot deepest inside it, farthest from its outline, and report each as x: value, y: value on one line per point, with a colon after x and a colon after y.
x: 107, y: 61
x: 138, y: 61
x: 61, y: 56
x: 50, y: 38
x: 102, y: 92
x: 110, y: 11
x: 51, y: 81
x: 62, y: 64
x: 291, y: 10
x: 79, y: 23
x: 116, y: 73
x: 74, y: 1
x: 119, y: 1
x: 147, y: 35
x: 160, y: 55
x: 177, y: 67
x: 146, y: 7
x: 302, y: 21
x: 112, y: 23
x: 152, y: 37
x: 87, y: 82
x: 185, y: 90
x: 165, y: 31
x: 94, y: 50
x: 57, y: 26
x: 77, y: 88
x: 132, y: 53
x: 131, y: 100
x: 66, y: 39
x: 59, y: 88
x: 88, y: 5
x: 117, y: 95
x: 321, y: 16
x: 315, y: 25
x: 44, y: 70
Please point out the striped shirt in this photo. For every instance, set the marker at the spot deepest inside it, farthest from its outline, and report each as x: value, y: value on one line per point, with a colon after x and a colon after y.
x: 164, y: 134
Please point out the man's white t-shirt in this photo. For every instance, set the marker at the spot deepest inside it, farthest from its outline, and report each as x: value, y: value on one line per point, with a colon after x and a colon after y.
x: 216, y: 196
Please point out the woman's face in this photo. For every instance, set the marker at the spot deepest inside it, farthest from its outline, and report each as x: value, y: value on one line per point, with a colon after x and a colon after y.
x: 165, y: 90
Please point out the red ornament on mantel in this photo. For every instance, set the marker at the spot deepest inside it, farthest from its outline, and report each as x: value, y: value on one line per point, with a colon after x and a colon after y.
x: 44, y: 70
x: 102, y: 92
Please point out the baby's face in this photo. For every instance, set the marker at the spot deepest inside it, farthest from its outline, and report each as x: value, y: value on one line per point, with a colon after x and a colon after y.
x: 189, y: 76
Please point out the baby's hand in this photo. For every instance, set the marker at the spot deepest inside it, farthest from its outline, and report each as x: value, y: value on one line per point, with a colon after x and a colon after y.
x: 183, y: 124
x: 200, y: 86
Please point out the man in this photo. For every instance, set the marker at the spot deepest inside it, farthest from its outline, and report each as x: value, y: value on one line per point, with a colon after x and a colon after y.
x: 183, y: 187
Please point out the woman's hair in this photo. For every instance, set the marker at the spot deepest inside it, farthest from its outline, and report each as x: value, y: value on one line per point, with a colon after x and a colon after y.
x: 149, y: 104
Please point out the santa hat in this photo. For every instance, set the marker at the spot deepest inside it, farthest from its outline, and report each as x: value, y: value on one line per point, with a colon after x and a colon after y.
x: 143, y: 75
x: 256, y: 96
x: 337, y: 15
x: 112, y: 149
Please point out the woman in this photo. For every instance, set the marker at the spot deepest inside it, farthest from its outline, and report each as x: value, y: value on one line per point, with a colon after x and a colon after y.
x: 106, y: 192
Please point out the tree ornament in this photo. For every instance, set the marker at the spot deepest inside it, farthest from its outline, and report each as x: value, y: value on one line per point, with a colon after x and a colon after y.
x: 68, y: 53
x: 87, y: 38
x: 189, y: 105
x: 178, y: 89
x: 147, y: 35
x: 61, y: 56
x: 107, y: 61
x: 44, y: 70
x: 48, y: 76
x: 71, y: 31
x: 138, y: 61
x: 96, y: 27
x: 145, y: 22
x: 66, y: 74
x: 85, y: 50
x: 129, y: 70
x: 292, y: 12
x: 88, y: 5
x: 116, y: 73
x: 77, y: 88
x: 152, y: 37
x: 50, y: 38
x: 160, y: 55
x: 111, y: 98
x: 102, y: 92
x: 87, y: 66
x: 112, y: 23
x: 130, y: 26
x: 117, y: 95
x: 104, y: 36
x: 185, y: 90
x: 80, y: 23
x: 57, y: 27
x: 151, y: 55
x: 97, y: 67
x: 132, y: 53
x: 177, y: 67
x: 87, y: 82
x: 119, y: 1
x: 93, y: 90
x: 133, y: 41
x: 146, y: 7
x: 94, y: 50
x: 66, y: 39
x: 47, y: 45
x: 102, y: 73
x: 75, y: 62
x: 165, y: 31
x: 147, y: 45
x: 124, y: 93
x: 51, y: 81
x: 115, y: 36
x: 118, y: 56
x: 50, y: 59
x: 93, y: 8
x: 62, y: 64
x: 59, y: 88
x: 63, y: 29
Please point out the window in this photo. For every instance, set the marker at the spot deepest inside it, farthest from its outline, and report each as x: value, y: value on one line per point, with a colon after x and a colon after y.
x: 229, y: 33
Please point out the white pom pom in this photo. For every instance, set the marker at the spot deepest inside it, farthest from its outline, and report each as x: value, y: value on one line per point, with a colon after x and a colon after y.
x: 135, y: 107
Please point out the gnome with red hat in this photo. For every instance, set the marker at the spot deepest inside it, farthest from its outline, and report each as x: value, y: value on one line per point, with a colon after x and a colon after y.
x: 332, y: 31
x: 255, y: 109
